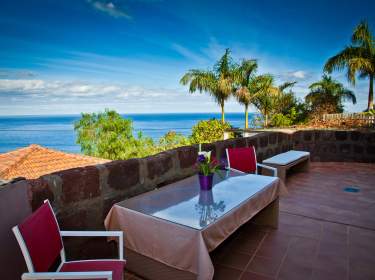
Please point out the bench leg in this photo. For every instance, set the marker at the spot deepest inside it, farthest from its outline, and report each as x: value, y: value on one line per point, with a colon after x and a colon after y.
x: 269, y: 216
x: 281, y: 173
x: 303, y: 166
x: 306, y: 165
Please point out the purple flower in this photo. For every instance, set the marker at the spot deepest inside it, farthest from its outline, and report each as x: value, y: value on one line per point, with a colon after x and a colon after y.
x: 201, y: 158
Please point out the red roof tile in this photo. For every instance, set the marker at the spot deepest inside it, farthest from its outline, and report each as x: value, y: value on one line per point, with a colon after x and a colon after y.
x: 34, y: 161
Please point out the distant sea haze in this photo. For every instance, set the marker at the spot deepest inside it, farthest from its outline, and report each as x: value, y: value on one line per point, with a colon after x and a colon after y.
x: 57, y: 132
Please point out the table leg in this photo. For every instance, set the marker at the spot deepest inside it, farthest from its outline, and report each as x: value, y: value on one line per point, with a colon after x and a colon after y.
x: 269, y: 216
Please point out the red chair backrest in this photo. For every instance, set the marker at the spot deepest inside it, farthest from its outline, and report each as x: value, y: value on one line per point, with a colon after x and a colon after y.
x: 42, y: 238
x: 243, y: 159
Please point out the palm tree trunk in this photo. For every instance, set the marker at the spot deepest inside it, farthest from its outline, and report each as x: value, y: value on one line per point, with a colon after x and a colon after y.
x: 265, y: 120
x: 246, y: 116
x: 222, y: 112
x: 370, y: 105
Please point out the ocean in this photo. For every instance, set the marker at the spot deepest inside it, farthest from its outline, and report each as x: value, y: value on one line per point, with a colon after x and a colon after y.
x: 57, y: 132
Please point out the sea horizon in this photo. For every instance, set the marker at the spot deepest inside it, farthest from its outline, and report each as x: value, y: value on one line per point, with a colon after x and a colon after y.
x: 56, y: 131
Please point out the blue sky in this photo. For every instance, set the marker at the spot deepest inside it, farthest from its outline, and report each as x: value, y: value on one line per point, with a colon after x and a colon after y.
x: 65, y: 57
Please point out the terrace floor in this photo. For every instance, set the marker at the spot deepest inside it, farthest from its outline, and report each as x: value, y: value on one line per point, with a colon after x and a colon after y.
x: 324, y: 232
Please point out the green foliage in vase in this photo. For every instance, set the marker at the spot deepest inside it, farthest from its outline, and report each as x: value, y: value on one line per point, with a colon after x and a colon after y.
x: 208, y: 131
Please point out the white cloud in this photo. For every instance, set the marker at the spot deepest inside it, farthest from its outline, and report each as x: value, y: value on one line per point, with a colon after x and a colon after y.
x: 62, y: 89
x: 185, y: 52
x: 299, y: 74
x: 109, y: 8
x: 16, y: 74
x: 28, y: 96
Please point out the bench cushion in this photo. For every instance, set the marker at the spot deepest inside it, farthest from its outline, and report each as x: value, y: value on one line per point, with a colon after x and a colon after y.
x: 286, y: 158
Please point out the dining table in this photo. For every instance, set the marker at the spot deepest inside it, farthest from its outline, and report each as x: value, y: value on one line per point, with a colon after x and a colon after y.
x: 169, y: 232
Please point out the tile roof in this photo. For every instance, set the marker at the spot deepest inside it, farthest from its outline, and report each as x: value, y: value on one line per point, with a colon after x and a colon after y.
x: 34, y: 161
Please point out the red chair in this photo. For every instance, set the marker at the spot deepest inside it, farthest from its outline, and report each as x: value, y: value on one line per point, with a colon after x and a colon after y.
x: 40, y: 239
x: 245, y: 160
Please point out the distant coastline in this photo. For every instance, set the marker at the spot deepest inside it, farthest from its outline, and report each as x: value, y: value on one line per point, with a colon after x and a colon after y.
x: 56, y: 131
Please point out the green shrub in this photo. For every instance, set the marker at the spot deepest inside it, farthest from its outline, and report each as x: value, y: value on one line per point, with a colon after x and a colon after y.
x: 370, y: 112
x: 171, y: 140
x: 208, y: 131
x: 108, y: 135
x: 280, y: 120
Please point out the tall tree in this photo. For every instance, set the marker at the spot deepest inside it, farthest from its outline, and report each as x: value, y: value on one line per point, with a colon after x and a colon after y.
x: 285, y: 100
x: 264, y: 101
x: 218, y: 82
x: 271, y: 98
x: 358, y: 59
x: 247, y: 86
x: 327, y: 96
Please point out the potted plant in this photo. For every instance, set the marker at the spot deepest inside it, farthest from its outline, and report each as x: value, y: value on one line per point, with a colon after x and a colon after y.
x: 207, y: 167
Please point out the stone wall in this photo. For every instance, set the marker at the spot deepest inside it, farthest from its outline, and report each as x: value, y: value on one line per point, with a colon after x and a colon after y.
x: 339, y: 145
x: 83, y: 196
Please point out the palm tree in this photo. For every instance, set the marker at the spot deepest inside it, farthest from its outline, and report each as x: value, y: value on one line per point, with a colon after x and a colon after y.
x: 247, y: 87
x: 285, y: 100
x: 327, y: 95
x: 218, y: 82
x: 270, y: 97
x: 358, y: 58
x: 264, y: 101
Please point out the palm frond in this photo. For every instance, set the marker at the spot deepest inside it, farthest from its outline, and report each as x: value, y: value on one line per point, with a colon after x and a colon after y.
x: 340, y: 61
x: 348, y: 95
x: 362, y: 35
x: 225, y: 65
x: 199, y: 81
x: 286, y: 85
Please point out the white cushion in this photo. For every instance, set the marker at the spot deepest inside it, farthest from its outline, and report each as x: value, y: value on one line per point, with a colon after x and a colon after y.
x: 286, y: 158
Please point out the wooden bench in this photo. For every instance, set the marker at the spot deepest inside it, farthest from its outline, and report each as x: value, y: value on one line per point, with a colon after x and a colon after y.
x: 283, y: 162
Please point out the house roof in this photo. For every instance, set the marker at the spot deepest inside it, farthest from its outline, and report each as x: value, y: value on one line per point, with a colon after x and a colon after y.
x: 34, y: 161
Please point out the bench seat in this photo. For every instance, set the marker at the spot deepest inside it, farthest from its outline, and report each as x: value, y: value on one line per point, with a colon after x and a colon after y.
x: 287, y: 160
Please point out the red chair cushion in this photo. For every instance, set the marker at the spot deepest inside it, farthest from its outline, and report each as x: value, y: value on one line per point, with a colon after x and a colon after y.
x: 243, y: 159
x: 116, y: 266
x: 42, y: 237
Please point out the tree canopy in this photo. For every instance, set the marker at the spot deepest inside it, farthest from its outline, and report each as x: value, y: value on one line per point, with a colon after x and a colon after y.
x: 358, y: 59
x: 218, y: 82
x: 327, y: 96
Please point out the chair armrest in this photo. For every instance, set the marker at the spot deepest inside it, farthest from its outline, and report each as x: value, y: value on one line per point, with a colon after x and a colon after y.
x: 236, y: 170
x: 67, y: 275
x: 91, y: 233
x: 274, y: 170
x: 118, y: 234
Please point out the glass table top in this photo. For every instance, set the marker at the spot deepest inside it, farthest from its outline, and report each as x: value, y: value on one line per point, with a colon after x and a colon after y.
x: 184, y: 203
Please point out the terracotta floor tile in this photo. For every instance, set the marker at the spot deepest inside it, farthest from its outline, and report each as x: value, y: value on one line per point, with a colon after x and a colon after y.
x: 333, y: 247
x: 303, y: 246
x: 362, y: 253
x: 293, y: 271
x: 264, y: 266
x: 246, y: 246
x: 361, y: 270
x: 254, y: 276
x: 272, y: 251
x: 225, y: 273
x: 235, y: 260
x: 329, y: 266
x: 322, y: 231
